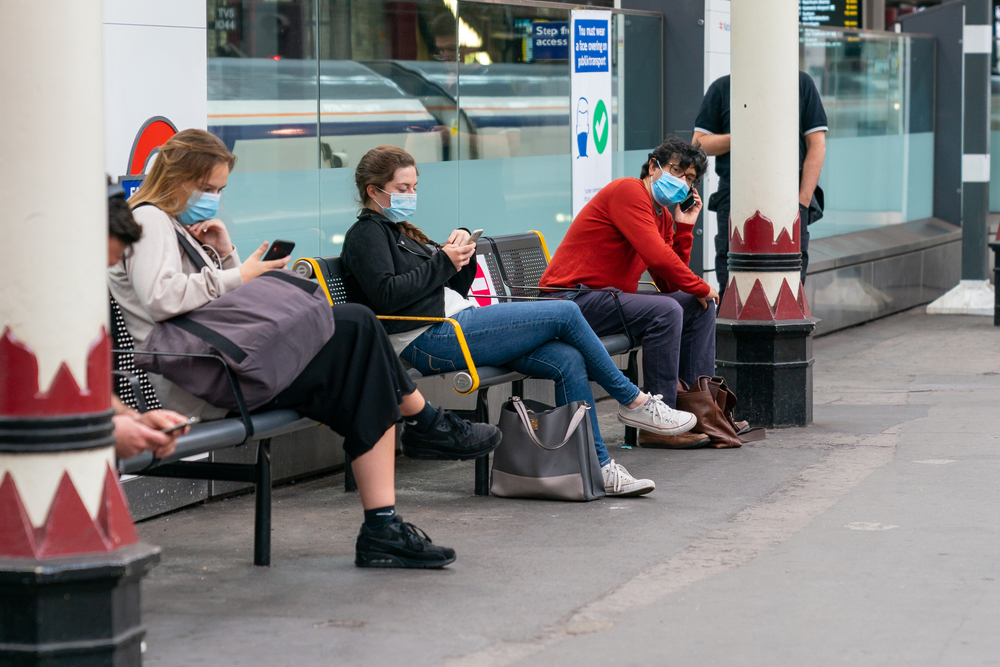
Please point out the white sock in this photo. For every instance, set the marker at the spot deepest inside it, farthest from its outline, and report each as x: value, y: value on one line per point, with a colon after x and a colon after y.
x: 649, y: 397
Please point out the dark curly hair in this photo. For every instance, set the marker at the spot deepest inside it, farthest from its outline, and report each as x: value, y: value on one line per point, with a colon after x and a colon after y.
x: 681, y: 153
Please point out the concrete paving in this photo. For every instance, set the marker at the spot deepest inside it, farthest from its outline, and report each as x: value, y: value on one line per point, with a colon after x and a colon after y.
x: 868, y: 538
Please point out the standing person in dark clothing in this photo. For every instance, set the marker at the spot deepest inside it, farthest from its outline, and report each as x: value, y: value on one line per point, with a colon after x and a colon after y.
x: 711, y: 132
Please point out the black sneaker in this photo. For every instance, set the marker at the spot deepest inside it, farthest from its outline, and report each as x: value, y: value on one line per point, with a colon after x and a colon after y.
x: 450, y: 438
x: 399, y: 544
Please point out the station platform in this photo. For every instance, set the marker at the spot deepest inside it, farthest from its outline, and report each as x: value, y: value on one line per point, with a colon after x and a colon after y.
x: 868, y: 537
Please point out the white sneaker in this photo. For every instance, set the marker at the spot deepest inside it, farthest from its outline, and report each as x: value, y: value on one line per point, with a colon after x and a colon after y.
x: 618, y: 482
x: 656, y: 416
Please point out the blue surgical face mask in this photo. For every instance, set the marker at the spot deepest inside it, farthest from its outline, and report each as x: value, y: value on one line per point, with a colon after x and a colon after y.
x: 668, y: 189
x: 401, y: 206
x: 200, y: 207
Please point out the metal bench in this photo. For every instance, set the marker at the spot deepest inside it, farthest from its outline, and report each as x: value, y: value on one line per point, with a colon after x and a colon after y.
x: 475, y: 379
x: 516, y: 263
x: 512, y: 266
x: 135, y: 391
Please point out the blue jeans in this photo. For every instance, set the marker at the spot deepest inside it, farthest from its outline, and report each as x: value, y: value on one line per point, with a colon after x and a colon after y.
x: 541, y: 339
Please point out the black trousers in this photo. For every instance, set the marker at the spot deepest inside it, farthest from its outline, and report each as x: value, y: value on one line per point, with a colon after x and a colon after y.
x: 722, y: 245
x: 354, y: 384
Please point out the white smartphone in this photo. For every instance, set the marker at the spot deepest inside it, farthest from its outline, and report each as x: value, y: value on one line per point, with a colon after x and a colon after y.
x: 475, y: 237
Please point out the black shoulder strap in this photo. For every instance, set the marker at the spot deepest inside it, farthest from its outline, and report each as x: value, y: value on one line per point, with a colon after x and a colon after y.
x: 191, y: 252
x: 309, y: 286
x: 213, y: 338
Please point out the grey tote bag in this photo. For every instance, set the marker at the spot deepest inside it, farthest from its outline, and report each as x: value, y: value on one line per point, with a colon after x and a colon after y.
x: 267, y: 330
x: 546, y: 453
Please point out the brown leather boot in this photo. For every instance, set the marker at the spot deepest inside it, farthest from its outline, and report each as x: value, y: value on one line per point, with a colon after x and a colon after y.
x: 689, y: 440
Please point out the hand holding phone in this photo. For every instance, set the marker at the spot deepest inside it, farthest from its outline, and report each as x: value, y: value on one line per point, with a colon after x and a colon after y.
x: 278, y: 250
x: 177, y: 427
x: 475, y: 237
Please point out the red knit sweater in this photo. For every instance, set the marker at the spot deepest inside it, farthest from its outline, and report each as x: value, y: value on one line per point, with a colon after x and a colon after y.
x: 616, y: 237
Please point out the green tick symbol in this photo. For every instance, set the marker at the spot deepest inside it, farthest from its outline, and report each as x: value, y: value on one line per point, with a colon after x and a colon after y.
x: 601, y: 126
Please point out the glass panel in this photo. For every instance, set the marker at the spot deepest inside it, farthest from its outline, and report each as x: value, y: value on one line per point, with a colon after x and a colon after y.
x: 478, y: 93
x: 262, y: 104
x: 878, y: 92
x: 637, y: 75
x: 514, y: 142
x: 408, y: 99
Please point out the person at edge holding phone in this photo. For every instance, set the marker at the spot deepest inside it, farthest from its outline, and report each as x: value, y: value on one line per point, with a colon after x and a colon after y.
x: 624, y: 230
x: 711, y: 133
x: 156, y: 430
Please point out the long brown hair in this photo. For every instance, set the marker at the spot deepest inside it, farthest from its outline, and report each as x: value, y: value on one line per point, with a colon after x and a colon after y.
x: 378, y: 167
x: 187, y: 157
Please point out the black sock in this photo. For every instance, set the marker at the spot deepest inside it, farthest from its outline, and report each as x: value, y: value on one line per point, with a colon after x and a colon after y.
x: 380, y: 517
x: 422, y: 420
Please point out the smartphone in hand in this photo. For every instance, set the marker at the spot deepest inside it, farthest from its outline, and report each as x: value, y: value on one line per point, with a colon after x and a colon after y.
x: 177, y: 427
x: 278, y: 250
x: 688, y: 202
x: 475, y: 237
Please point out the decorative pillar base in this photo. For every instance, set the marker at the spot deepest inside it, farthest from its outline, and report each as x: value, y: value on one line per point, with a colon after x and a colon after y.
x: 83, y: 610
x: 769, y: 366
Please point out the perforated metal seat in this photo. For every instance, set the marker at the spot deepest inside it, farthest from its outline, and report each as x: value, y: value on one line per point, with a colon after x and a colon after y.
x: 210, y: 436
x: 203, y: 438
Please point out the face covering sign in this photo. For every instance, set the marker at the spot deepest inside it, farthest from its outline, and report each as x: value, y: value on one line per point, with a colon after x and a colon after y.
x: 590, y: 103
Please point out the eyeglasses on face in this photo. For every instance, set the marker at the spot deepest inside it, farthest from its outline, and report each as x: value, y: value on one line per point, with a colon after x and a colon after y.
x: 690, y: 178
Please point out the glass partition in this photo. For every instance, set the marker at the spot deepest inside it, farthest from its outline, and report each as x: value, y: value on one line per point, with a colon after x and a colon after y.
x: 262, y: 88
x: 878, y: 92
x: 477, y: 92
x: 514, y: 143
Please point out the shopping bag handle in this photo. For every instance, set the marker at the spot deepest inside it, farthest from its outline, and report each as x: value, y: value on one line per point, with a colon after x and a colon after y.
x: 522, y: 412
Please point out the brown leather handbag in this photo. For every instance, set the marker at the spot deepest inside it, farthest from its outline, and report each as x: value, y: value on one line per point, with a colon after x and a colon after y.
x: 712, y: 403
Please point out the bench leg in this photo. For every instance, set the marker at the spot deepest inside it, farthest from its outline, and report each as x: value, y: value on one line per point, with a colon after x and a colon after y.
x: 350, y: 485
x: 262, y: 510
x: 517, y: 388
x: 483, y: 462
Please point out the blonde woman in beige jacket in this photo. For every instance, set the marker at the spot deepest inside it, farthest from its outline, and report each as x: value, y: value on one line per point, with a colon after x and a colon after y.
x: 356, y: 384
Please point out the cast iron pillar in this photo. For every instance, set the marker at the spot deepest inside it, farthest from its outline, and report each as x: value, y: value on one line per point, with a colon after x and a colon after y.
x: 70, y: 558
x: 764, y: 332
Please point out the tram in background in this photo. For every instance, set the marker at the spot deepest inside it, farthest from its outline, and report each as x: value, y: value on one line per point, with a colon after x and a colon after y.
x: 269, y: 112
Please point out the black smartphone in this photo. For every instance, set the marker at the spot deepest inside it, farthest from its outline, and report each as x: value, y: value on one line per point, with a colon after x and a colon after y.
x: 278, y: 250
x: 177, y: 427
x: 688, y: 202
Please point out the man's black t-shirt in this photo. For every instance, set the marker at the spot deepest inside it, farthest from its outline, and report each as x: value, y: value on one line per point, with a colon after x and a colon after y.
x: 713, y: 118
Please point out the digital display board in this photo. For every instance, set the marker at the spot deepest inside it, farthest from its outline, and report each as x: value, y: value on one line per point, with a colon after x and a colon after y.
x: 830, y: 13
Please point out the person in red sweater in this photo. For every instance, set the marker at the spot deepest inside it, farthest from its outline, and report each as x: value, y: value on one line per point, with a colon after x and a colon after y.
x: 624, y: 230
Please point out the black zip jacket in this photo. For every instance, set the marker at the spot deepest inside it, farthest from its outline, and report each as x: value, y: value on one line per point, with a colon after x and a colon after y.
x: 394, y: 275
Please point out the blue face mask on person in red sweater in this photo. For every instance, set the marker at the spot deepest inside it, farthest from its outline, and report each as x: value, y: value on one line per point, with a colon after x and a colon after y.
x: 668, y: 189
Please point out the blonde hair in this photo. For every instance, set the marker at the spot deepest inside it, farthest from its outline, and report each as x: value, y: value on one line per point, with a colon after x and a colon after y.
x: 187, y: 157
x: 377, y: 167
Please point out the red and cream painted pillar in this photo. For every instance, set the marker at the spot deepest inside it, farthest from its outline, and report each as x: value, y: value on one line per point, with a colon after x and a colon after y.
x: 70, y: 558
x: 764, y: 339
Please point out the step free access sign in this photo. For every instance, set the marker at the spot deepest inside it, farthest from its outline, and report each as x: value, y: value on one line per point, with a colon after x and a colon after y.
x: 590, y: 104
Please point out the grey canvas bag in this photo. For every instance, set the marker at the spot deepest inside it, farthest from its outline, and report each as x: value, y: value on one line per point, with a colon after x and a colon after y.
x: 267, y: 330
x: 546, y: 453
